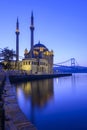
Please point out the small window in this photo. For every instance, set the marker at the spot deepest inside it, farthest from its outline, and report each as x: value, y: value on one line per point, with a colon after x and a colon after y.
x: 23, y: 63
x: 29, y: 62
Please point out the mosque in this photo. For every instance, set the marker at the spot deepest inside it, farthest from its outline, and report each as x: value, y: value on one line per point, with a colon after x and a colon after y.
x: 38, y: 60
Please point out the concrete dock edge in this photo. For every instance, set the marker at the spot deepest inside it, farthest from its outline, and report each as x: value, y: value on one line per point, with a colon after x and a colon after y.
x: 14, y: 117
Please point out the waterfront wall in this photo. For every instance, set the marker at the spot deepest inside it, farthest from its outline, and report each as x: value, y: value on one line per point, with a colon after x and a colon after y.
x: 14, y: 118
x: 2, y: 80
x: 24, y: 78
x: 11, y: 117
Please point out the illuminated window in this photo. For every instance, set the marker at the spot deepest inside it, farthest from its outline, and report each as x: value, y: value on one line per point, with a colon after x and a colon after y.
x: 23, y: 63
x: 41, y: 49
x: 29, y: 62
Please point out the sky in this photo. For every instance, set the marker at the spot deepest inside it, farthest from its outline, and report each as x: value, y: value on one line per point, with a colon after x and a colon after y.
x: 61, y: 25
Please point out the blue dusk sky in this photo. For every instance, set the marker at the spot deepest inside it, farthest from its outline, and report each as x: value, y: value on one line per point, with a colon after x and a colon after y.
x: 61, y: 25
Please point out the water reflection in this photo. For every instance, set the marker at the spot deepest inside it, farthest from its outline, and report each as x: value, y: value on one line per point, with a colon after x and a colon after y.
x: 73, y: 80
x: 55, y: 104
x: 73, y: 83
x: 38, y: 92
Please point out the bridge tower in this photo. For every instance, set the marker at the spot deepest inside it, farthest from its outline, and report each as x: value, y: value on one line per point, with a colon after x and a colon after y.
x: 72, y: 61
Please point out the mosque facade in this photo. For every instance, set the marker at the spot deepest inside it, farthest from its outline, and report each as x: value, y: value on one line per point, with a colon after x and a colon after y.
x: 38, y: 60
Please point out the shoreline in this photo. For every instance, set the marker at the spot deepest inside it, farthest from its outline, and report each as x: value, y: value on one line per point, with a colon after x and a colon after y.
x: 26, y: 77
x: 14, y: 118
x: 2, y: 81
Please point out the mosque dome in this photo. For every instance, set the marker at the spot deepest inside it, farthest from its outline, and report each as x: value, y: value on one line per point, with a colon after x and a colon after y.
x: 40, y: 47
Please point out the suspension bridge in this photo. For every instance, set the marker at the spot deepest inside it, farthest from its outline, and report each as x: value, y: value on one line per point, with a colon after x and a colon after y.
x: 71, y: 65
x: 68, y: 63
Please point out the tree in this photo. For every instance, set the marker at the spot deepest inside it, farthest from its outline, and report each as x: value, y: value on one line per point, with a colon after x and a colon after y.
x: 7, y: 56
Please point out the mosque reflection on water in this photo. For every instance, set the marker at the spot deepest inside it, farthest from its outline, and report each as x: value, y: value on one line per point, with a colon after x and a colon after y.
x: 55, y: 104
x: 38, y: 92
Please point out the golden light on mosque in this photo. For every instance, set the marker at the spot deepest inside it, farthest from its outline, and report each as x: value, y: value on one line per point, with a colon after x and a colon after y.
x: 41, y: 49
x: 17, y: 30
x: 35, y: 52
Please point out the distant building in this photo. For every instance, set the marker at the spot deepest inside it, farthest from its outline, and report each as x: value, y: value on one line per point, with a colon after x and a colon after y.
x: 38, y: 60
x: 41, y: 60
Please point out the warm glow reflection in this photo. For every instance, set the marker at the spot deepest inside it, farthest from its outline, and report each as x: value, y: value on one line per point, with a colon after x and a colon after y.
x: 28, y: 88
x: 39, y: 91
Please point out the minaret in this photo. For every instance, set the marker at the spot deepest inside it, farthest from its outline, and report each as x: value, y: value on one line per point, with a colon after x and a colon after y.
x: 32, y: 34
x: 17, y: 40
